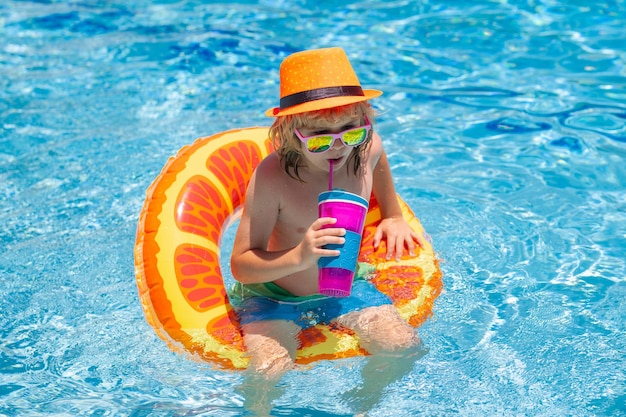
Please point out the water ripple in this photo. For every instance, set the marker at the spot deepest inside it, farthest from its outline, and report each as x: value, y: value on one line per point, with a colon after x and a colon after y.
x: 504, y: 123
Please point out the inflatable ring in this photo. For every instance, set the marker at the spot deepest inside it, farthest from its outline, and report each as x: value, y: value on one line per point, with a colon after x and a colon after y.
x: 177, y: 249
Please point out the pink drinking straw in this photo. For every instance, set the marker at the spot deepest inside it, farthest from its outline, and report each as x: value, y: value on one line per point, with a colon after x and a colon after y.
x: 330, y: 175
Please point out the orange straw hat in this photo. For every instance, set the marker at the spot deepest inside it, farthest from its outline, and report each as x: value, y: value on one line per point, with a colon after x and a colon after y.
x: 318, y: 79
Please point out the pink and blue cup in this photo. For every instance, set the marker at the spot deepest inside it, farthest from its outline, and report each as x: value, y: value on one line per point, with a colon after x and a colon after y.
x: 336, y: 273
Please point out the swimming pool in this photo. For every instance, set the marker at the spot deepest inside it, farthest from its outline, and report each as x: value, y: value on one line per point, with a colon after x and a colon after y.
x: 504, y: 122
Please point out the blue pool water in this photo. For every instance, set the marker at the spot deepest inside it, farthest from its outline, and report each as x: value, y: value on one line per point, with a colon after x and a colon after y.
x: 505, y: 123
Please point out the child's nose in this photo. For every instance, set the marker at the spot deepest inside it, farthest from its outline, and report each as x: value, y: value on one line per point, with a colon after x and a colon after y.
x: 338, y: 143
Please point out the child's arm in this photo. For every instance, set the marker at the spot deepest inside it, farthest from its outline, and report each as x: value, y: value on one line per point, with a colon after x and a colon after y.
x: 393, y: 226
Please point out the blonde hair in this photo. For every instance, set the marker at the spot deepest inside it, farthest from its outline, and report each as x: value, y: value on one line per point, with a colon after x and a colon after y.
x: 289, y: 147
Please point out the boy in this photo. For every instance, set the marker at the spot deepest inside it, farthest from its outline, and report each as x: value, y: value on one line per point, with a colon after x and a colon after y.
x: 280, y: 238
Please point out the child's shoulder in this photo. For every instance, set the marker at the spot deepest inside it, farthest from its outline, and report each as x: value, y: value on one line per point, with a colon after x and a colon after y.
x: 269, y: 169
x: 269, y: 165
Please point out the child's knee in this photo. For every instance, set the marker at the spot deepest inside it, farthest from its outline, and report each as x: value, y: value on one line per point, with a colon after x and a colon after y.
x: 381, y: 329
x: 398, y: 335
x: 268, y: 358
x: 271, y: 348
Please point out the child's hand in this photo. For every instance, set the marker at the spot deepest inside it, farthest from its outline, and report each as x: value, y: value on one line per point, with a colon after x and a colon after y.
x: 311, y: 247
x: 399, y: 236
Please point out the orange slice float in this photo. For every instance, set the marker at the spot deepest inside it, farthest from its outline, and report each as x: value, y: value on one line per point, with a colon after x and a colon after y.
x: 177, y: 249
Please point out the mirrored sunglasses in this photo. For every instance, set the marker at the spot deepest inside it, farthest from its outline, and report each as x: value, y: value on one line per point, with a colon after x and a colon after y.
x: 350, y: 137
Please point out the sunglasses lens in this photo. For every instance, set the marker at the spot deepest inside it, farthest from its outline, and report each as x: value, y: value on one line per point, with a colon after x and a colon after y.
x: 354, y: 137
x: 318, y: 144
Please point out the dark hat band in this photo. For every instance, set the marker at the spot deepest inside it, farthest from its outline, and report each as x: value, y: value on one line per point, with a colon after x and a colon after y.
x: 320, y: 93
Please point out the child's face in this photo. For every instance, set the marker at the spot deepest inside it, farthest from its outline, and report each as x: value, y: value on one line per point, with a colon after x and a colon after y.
x: 338, y: 152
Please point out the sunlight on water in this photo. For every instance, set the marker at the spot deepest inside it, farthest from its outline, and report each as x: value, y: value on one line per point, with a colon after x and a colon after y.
x: 505, y: 125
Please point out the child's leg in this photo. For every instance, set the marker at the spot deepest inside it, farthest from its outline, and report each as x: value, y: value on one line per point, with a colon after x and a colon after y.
x: 380, y: 329
x: 380, y: 371
x: 272, y: 346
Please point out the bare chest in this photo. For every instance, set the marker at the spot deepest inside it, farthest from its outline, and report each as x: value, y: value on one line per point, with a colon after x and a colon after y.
x: 298, y: 209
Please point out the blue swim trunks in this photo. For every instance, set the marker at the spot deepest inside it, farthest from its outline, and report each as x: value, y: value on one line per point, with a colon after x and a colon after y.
x: 259, y: 302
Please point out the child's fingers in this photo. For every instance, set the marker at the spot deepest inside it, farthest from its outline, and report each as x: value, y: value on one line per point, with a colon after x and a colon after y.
x: 391, y: 248
x: 410, y: 245
x: 323, y: 221
x: 378, y: 236
x: 421, y: 241
x: 330, y: 236
x: 398, y: 245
